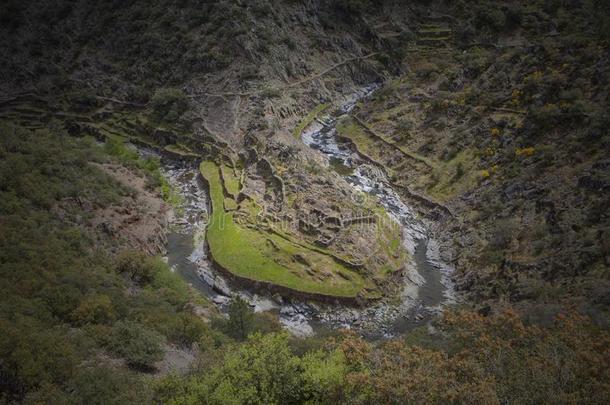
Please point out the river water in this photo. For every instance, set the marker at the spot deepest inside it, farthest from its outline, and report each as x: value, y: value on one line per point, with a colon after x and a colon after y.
x: 427, y: 285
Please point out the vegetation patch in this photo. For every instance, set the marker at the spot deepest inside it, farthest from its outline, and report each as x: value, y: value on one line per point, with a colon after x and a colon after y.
x: 115, y: 146
x: 349, y: 128
x: 456, y: 176
x: 181, y: 150
x: 390, y: 241
x: 309, y: 118
x: 255, y: 255
x: 68, y: 304
x: 230, y: 180
x: 490, y: 360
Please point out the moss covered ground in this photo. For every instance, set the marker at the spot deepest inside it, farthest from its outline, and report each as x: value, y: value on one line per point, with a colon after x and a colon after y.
x: 230, y: 180
x: 308, y: 119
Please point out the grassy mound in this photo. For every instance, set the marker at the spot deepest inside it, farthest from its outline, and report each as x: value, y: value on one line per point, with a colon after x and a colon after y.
x: 270, y: 258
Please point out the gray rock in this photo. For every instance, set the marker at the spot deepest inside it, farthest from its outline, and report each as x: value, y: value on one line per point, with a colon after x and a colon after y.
x: 220, y: 300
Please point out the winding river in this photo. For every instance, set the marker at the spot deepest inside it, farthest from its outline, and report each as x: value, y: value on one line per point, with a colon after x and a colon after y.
x: 427, y: 285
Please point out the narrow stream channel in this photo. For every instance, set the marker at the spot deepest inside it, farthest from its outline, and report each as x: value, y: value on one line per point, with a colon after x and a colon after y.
x: 427, y: 287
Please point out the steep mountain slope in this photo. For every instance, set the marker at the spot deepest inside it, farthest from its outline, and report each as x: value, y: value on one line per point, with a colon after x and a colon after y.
x: 508, y: 129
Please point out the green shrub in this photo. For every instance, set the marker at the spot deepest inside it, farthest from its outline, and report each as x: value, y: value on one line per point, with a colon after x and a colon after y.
x: 136, y: 265
x: 62, y: 300
x: 475, y: 62
x: 169, y: 104
x: 116, y: 147
x: 31, y: 354
x: 187, y: 329
x: 167, y: 283
x: 404, y: 125
x: 94, y: 309
x: 107, y: 385
x: 491, y: 17
x: 139, y: 346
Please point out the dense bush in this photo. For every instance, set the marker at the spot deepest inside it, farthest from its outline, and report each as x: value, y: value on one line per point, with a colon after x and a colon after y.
x: 169, y: 104
x: 104, y: 385
x: 137, y: 266
x: 94, y: 309
x: 139, y: 346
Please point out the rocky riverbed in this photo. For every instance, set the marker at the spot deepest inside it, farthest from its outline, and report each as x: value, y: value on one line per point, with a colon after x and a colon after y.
x: 427, y: 283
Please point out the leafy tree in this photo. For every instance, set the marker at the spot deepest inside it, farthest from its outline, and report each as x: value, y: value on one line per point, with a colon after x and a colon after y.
x: 241, y: 319
x: 324, y: 375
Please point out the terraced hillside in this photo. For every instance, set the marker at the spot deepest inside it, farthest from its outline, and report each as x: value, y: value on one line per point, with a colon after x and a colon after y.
x: 505, y: 130
x: 271, y: 257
